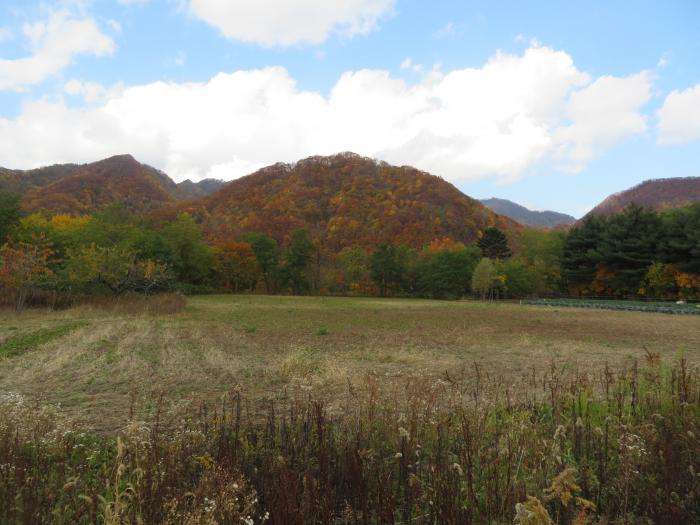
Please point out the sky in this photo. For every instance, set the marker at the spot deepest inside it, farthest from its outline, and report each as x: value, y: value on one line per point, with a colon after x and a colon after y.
x: 552, y: 104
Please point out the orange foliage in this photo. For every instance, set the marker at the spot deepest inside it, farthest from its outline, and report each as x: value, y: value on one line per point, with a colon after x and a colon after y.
x: 343, y: 200
x: 444, y: 244
x: 120, y: 179
x: 235, y: 265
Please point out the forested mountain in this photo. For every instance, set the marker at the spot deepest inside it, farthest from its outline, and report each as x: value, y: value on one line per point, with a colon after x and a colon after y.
x: 21, y: 181
x: 341, y: 224
x: 345, y: 200
x: 90, y: 187
x: 658, y: 195
x: 546, y: 219
x: 191, y: 190
x: 99, y: 183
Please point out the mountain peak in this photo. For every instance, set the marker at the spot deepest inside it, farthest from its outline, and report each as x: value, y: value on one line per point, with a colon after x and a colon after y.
x: 523, y: 215
x: 345, y: 200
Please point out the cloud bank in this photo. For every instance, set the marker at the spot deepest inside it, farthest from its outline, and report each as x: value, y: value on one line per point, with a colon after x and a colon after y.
x: 499, y: 120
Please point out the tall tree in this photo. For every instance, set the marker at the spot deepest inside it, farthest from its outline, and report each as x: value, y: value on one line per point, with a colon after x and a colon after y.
x: 10, y: 213
x: 485, y: 278
x: 235, y: 266
x: 541, y: 253
x: 354, y: 264
x: 680, y: 242
x: 447, y: 273
x: 298, y: 262
x: 494, y: 244
x: 192, y: 255
x: 628, y: 247
x: 24, y: 267
x: 387, y: 268
x: 581, y: 256
x: 267, y: 255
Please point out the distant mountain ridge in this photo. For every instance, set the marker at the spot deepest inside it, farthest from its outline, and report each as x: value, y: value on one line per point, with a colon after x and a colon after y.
x: 192, y: 190
x: 523, y: 215
x: 84, y: 188
x: 656, y: 194
x: 21, y: 181
x: 342, y: 200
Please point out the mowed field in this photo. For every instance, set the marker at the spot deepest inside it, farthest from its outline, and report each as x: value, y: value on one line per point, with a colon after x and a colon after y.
x: 98, y: 364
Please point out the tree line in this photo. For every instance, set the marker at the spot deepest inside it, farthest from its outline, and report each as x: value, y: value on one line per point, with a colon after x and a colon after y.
x: 636, y: 253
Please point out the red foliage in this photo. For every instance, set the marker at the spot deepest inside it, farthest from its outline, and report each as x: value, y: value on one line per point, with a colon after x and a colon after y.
x: 344, y: 200
x: 120, y: 179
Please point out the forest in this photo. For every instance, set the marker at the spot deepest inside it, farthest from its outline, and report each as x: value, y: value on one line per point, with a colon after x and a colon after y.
x: 58, y: 258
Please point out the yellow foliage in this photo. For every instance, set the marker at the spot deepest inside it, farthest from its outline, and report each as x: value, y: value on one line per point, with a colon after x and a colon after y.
x: 66, y: 222
x: 531, y: 512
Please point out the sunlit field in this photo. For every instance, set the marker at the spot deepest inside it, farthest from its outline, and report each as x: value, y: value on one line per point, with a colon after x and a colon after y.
x: 95, y: 363
x: 291, y: 410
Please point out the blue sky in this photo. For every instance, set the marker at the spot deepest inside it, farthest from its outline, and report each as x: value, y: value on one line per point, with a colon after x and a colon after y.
x: 552, y: 104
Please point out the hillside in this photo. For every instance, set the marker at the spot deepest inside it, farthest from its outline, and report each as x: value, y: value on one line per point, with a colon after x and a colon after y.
x: 21, y: 181
x: 545, y: 219
x: 659, y: 195
x: 92, y: 186
x: 345, y: 200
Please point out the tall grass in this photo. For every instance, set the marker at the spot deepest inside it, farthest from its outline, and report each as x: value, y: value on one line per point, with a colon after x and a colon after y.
x: 573, y: 448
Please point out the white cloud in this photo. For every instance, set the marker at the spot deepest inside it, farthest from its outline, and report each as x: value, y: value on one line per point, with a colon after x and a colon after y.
x: 285, y: 23
x: 679, y: 117
x: 498, y: 120
x: 601, y: 114
x: 54, y: 43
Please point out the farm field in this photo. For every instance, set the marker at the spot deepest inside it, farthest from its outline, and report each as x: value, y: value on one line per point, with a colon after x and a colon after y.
x: 301, y: 410
x: 98, y: 364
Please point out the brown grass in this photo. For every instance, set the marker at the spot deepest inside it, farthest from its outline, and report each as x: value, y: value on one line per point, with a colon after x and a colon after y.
x: 266, y: 344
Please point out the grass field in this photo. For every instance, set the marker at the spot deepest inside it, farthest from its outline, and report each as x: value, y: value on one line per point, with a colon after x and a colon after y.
x: 95, y: 363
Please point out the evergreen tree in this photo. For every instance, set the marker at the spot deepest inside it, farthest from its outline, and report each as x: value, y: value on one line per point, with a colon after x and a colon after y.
x: 680, y: 242
x: 387, y: 268
x: 493, y: 244
x: 581, y: 256
x: 298, y: 262
x: 266, y: 253
x: 629, y: 246
x: 10, y: 213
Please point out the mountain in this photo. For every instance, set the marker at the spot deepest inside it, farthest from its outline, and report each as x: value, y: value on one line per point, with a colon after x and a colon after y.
x: 546, y: 219
x: 21, y: 181
x: 658, y: 194
x: 89, y: 187
x: 191, y: 190
x: 344, y: 200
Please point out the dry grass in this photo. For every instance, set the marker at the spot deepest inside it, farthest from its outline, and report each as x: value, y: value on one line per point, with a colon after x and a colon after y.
x: 265, y: 344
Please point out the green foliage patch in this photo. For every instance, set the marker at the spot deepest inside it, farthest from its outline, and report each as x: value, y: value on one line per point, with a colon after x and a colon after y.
x: 22, y: 343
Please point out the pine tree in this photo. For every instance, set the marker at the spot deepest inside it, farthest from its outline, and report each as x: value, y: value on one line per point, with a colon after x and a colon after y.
x: 629, y: 246
x: 581, y: 257
x: 493, y: 244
